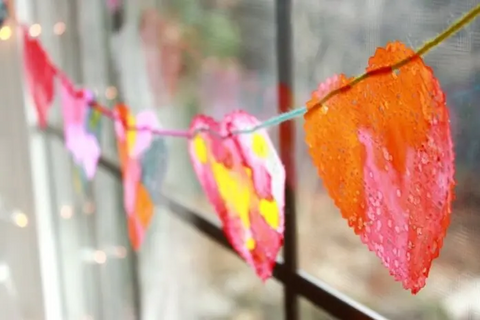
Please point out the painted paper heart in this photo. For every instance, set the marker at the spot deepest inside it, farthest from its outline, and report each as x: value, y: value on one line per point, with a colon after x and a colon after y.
x: 137, y: 140
x: 384, y: 151
x: 83, y: 145
x: 93, y: 126
x: 244, y: 180
x: 40, y: 76
x: 131, y: 145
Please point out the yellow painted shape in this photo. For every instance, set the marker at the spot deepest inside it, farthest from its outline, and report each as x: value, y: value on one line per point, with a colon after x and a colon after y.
x: 269, y: 211
x: 130, y: 134
x: 250, y: 244
x: 259, y: 146
x: 249, y: 172
x: 200, y: 149
x: 235, y: 192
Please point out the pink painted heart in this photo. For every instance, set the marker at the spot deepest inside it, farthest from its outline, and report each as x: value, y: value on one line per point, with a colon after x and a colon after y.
x: 140, y: 139
x: 83, y: 145
x: 132, y: 145
x: 244, y: 180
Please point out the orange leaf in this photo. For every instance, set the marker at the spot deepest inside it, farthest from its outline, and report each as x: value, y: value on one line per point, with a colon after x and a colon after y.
x: 384, y: 151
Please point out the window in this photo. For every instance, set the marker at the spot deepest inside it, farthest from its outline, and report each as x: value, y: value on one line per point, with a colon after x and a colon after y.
x: 331, y: 38
x: 183, y: 57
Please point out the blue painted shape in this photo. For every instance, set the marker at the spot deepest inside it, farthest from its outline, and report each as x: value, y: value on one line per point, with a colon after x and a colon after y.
x: 93, y: 123
x: 154, y: 168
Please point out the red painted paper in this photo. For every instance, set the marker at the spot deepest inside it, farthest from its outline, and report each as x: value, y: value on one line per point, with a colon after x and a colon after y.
x: 384, y: 151
x: 244, y: 180
x: 40, y: 76
x: 138, y: 204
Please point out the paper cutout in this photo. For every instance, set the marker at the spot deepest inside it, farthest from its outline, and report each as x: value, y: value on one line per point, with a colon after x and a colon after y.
x: 40, y: 76
x: 137, y: 140
x: 244, y: 180
x: 83, y: 146
x: 384, y: 151
x: 93, y: 126
x: 132, y: 145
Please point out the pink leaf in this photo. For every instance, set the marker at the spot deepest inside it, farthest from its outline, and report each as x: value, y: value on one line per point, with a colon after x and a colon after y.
x: 83, y: 145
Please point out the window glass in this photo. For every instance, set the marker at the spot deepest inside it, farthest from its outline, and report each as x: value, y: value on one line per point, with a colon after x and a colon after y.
x: 197, y: 57
x: 335, y: 37
x: 209, y: 57
x: 308, y: 311
x: 95, y: 269
x: 188, y: 276
x: 179, y: 58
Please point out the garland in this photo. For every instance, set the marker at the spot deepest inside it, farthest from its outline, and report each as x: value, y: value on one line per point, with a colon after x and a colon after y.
x: 381, y: 143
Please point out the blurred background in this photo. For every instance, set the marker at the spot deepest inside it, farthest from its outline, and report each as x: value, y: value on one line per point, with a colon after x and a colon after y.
x: 64, y: 251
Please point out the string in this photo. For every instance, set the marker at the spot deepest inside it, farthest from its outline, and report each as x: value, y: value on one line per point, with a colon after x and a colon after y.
x: 164, y: 132
x: 274, y: 121
x: 290, y: 115
x: 429, y: 45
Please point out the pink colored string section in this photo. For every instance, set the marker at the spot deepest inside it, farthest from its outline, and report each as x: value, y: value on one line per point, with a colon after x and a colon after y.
x: 163, y: 132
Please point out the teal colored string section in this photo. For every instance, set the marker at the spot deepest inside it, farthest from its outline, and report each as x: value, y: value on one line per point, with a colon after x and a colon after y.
x: 274, y: 121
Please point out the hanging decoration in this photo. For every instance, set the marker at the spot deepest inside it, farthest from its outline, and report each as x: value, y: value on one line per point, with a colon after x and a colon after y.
x: 384, y: 152
x: 381, y: 143
x: 40, y: 76
x: 93, y: 127
x: 82, y: 144
x: 131, y: 146
x: 244, y: 180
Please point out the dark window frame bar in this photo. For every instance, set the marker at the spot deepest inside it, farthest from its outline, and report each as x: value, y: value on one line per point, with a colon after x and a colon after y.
x: 283, y: 41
